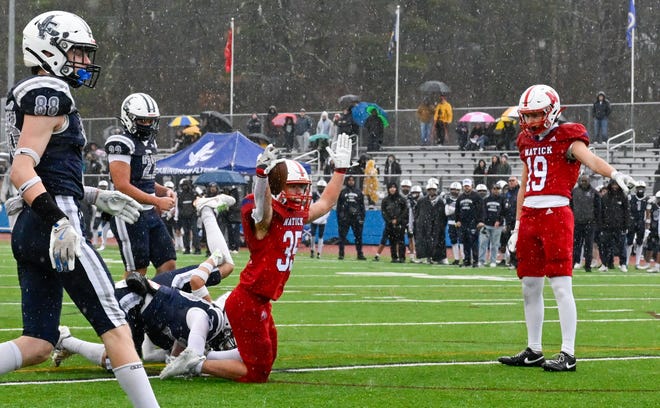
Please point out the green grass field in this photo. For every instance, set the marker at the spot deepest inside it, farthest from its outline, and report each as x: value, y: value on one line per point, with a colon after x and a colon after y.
x: 367, y: 334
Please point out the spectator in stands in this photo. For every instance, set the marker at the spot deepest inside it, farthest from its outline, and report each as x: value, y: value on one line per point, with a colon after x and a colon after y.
x: 425, y: 113
x: 375, y: 130
x: 493, y: 171
x: 289, y: 133
x: 478, y: 137
x: 509, y: 136
x: 601, y: 111
x: 254, y: 124
x: 505, y: 167
x: 272, y: 131
x: 324, y: 125
x: 480, y: 172
x: 462, y: 135
x: 302, y: 131
x: 443, y: 117
x: 586, y: 206
x: 392, y: 170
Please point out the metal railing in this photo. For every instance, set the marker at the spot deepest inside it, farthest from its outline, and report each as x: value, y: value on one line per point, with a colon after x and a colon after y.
x: 612, y: 146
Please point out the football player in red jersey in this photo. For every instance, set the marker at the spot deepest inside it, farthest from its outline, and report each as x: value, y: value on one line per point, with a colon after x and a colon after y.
x: 552, y: 154
x: 273, y: 218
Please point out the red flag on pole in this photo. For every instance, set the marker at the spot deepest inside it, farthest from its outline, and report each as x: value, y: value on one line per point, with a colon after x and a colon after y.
x: 228, y: 55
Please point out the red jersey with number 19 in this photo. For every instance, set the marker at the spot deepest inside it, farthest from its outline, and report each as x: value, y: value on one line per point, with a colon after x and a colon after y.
x: 271, y: 258
x: 550, y: 172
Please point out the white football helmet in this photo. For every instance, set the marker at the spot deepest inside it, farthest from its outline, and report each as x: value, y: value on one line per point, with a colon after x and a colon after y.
x: 103, y: 185
x: 169, y: 184
x: 287, y: 173
x: 455, y: 186
x: 48, y: 37
x: 481, y: 187
x: 321, y: 183
x: 416, y: 189
x: 539, y: 99
x: 406, y: 182
x: 137, y: 107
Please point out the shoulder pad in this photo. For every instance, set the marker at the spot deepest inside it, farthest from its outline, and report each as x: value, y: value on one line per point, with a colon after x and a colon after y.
x: 44, y: 95
x: 119, y: 144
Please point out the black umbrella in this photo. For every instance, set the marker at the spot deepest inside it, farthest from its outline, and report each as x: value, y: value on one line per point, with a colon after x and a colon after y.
x: 259, y: 138
x: 347, y: 100
x: 435, y: 87
x: 215, y: 122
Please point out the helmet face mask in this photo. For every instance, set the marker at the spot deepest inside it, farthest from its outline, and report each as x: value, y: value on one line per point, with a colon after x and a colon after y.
x: 538, y: 109
x: 140, y: 115
x: 59, y: 43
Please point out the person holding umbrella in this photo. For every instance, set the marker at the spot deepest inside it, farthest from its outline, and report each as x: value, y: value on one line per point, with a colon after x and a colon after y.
x: 425, y: 117
x: 443, y: 117
x: 375, y: 130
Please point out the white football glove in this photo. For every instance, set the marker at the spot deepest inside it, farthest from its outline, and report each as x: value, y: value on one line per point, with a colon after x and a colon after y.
x: 268, y: 159
x: 341, y: 156
x: 513, y: 239
x: 64, y: 246
x: 118, y: 204
x: 624, y: 181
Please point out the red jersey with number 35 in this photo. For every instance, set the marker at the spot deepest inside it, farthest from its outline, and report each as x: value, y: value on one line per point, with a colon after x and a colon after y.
x: 271, y: 258
x: 550, y: 172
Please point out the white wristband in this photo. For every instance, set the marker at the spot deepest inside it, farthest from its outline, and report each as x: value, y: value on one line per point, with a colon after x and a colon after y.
x: 28, y: 184
x: 203, y: 275
x: 201, y: 292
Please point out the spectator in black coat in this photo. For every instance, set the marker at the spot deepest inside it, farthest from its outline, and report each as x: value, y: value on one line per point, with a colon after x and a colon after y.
x: 394, y: 209
x: 601, y: 111
x: 429, y: 225
x: 615, y: 219
x: 586, y: 205
x: 254, y: 124
x: 375, y: 131
x: 479, y: 172
x: 350, y: 215
x: 391, y: 170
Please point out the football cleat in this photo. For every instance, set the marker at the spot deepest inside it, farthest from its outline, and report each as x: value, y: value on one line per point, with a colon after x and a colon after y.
x: 59, y: 352
x: 623, y: 268
x: 217, y: 203
x: 603, y: 268
x: 562, y: 362
x: 183, y: 364
x: 526, y: 358
x: 217, y: 257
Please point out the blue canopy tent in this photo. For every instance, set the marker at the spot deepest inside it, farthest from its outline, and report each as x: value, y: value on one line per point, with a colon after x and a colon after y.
x: 212, y: 152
